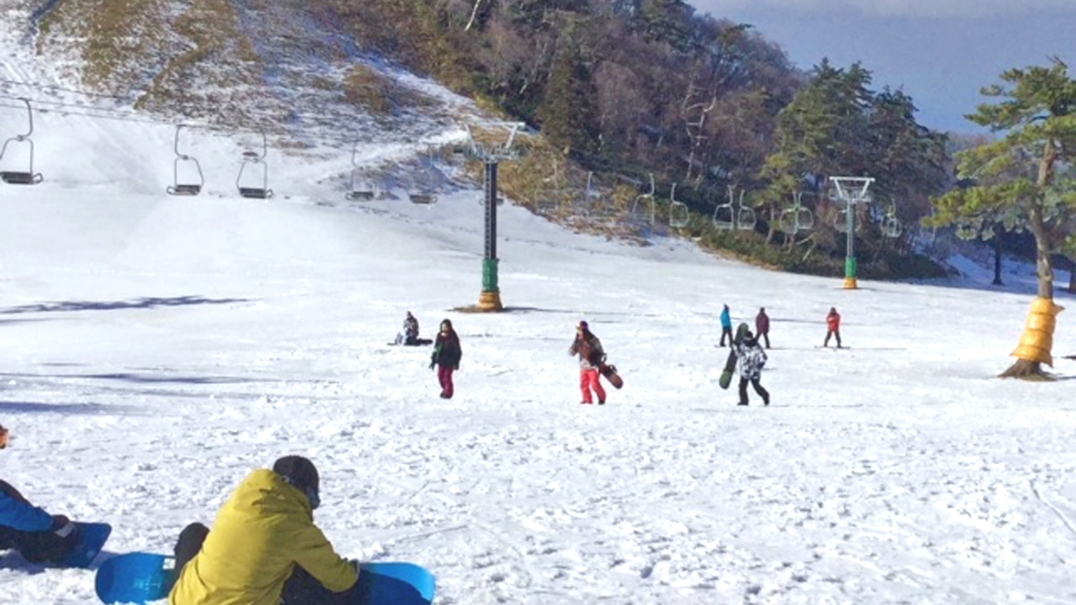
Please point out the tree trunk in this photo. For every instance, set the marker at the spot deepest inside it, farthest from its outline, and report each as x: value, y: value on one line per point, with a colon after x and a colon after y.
x: 997, y: 259
x: 1028, y: 370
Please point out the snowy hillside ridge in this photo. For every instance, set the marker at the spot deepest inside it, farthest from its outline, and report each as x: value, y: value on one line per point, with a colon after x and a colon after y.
x: 243, y: 66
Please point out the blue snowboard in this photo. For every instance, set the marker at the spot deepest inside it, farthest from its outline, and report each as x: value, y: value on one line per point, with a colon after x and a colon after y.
x: 92, y: 538
x: 144, y: 577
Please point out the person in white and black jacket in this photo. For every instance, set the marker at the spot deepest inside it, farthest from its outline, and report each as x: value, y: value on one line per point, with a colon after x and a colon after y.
x: 750, y: 359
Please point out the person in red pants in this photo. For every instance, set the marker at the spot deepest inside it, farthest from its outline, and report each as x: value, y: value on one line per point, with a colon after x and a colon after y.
x: 446, y: 356
x: 589, y: 349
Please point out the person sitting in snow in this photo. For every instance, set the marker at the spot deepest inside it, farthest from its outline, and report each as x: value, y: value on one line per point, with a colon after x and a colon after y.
x: 591, y: 356
x: 409, y: 335
x: 38, y: 536
x: 264, y: 548
x: 446, y: 356
x: 750, y: 359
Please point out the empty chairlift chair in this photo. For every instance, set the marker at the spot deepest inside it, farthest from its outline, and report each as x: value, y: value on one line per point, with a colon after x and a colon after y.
x: 189, y: 187
x: 359, y: 190
x: 424, y: 195
x: 642, y: 210
x: 19, y: 177
x: 679, y: 216
x: 249, y: 189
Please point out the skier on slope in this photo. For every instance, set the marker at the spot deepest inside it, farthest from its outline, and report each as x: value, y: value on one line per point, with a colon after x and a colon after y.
x: 726, y: 325
x: 833, y: 327
x: 38, y: 536
x: 762, y: 326
x: 264, y: 548
x: 591, y: 356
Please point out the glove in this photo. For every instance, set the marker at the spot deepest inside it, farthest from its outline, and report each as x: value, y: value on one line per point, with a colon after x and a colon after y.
x: 432, y: 364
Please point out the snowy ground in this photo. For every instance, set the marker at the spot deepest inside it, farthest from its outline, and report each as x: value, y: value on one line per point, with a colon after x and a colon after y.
x: 155, y: 349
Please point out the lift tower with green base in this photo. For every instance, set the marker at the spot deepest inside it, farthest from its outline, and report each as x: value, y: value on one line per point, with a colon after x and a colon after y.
x: 491, y: 155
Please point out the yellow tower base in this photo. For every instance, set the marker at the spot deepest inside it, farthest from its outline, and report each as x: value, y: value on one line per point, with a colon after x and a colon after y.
x: 850, y: 283
x: 490, y: 302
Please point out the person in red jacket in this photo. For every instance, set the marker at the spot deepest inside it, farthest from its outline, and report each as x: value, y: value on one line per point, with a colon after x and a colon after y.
x: 762, y: 326
x: 833, y: 325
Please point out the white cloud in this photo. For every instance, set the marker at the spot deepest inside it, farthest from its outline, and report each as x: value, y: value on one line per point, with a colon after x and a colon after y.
x: 895, y: 8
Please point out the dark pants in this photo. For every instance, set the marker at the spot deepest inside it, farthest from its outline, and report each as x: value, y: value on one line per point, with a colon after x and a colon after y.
x: 726, y: 331
x: 836, y: 333
x: 34, y: 546
x: 765, y: 336
x: 300, y: 589
x: 757, y: 383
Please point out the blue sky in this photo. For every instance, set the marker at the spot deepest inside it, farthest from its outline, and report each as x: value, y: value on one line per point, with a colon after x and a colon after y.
x: 941, y: 52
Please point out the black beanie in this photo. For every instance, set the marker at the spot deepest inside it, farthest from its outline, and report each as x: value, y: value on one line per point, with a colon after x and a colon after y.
x: 299, y: 471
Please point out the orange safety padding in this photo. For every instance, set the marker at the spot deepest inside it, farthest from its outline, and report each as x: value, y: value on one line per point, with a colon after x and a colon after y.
x: 1037, y: 341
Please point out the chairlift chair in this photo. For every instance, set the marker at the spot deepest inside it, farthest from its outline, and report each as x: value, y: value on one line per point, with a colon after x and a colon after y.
x: 363, y: 193
x: 177, y: 188
x: 797, y: 218
x: 679, y: 216
x: 425, y: 196
x: 745, y: 216
x: 253, y: 158
x: 17, y: 177
x: 642, y: 210
x: 724, y: 214
x: 840, y: 222
x: 891, y: 225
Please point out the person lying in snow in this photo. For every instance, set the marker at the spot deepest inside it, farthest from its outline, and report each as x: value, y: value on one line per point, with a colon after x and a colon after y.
x: 38, y: 536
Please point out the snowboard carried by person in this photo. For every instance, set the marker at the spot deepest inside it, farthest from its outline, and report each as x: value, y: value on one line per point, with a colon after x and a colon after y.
x: 608, y: 371
x: 730, y: 363
x: 141, y: 577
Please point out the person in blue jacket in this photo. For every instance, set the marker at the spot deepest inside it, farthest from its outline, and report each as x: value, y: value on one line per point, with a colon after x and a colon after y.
x: 38, y: 536
x: 726, y: 326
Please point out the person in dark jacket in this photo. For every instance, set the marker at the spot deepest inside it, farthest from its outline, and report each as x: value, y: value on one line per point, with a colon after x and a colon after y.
x: 264, y: 548
x: 38, y: 536
x: 762, y: 326
x: 446, y: 356
x: 726, y: 325
x: 591, y: 356
x: 750, y: 359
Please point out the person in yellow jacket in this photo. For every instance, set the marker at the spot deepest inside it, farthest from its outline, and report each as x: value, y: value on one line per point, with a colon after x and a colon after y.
x: 264, y: 548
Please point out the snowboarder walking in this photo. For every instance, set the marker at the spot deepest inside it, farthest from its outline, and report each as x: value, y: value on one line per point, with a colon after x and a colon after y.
x: 446, y: 356
x: 750, y: 359
x: 591, y: 356
x: 264, y: 548
x: 833, y: 325
x: 726, y: 325
x: 762, y: 326
x: 37, y: 535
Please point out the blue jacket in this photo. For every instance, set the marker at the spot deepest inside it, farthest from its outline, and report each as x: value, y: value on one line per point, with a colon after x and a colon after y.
x: 726, y: 319
x: 23, y: 517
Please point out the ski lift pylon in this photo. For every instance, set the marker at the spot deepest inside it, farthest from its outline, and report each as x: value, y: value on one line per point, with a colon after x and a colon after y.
x: 177, y: 188
x: 679, y: 217
x: 18, y: 177
x: 253, y: 158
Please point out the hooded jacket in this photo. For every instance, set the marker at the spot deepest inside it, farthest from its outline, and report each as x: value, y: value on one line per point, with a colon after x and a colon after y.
x: 261, y: 533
